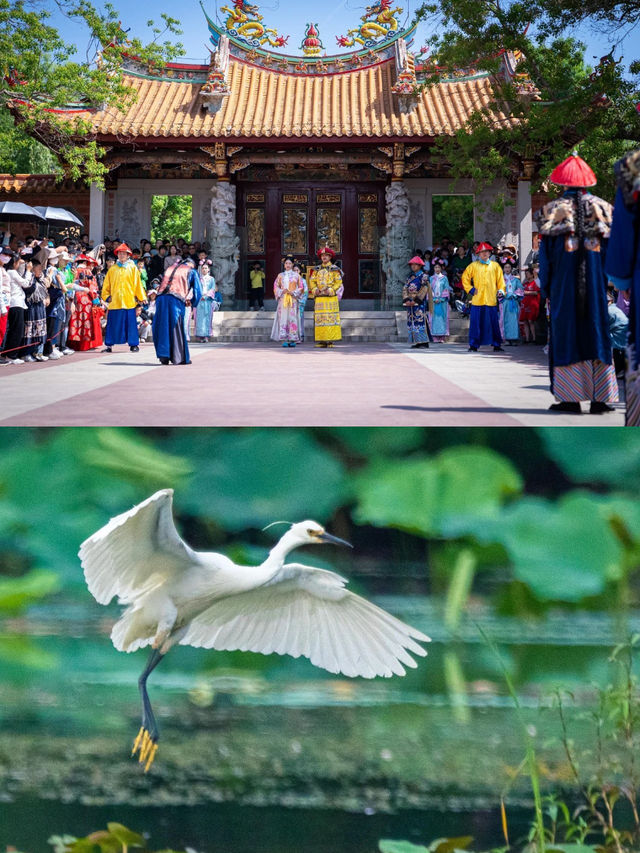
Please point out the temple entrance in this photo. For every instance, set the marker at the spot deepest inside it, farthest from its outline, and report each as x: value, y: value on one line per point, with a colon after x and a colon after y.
x: 298, y: 218
x: 171, y: 217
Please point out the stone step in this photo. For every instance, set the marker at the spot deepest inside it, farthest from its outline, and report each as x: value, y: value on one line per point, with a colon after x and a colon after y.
x: 357, y: 326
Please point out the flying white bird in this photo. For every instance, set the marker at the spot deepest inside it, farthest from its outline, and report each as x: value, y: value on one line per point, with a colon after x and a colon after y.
x: 177, y: 595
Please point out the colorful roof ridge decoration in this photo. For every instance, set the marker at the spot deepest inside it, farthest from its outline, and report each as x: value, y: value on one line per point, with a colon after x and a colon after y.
x: 406, y: 84
x: 245, y: 23
x: 378, y: 22
x: 510, y: 60
x: 311, y: 43
x: 243, y: 50
x: 216, y: 88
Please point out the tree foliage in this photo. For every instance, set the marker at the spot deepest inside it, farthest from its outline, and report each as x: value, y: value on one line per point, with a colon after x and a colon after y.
x: 171, y: 217
x: 43, y: 75
x: 453, y: 216
x: 556, y: 101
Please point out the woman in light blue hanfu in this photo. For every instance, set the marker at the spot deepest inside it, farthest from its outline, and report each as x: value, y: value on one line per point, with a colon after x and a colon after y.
x: 207, y: 305
x: 440, y: 315
x: 510, y: 305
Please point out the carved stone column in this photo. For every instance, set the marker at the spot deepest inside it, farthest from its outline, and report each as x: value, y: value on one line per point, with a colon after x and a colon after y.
x: 225, y: 243
x: 396, y: 246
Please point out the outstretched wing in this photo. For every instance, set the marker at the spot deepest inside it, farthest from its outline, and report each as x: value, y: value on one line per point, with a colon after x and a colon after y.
x: 135, y: 551
x: 307, y: 611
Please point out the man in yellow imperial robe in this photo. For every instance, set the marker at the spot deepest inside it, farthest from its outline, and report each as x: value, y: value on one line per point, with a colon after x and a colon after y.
x: 122, y: 287
x: 325, y: 286
x: 484, y: 282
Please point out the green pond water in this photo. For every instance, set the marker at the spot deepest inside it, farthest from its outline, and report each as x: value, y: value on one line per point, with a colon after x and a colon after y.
x: 271, y: 754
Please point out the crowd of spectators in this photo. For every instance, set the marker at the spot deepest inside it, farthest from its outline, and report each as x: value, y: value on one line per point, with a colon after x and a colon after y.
x: 44, y: 285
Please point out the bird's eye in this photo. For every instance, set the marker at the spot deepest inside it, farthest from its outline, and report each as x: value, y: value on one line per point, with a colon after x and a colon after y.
x: 312, y: 532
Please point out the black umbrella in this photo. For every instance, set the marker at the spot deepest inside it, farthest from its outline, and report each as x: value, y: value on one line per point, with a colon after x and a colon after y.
x: 58, y: 216
x: 16, y: 211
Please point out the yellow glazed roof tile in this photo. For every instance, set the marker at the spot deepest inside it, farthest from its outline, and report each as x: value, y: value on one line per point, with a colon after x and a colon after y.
x: 267, y: 103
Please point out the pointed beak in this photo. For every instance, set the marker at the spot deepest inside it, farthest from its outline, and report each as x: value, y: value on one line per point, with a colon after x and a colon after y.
x: 327, y: 537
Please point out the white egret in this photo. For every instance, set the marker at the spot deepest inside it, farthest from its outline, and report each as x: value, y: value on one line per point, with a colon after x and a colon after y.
x: 177, y: 595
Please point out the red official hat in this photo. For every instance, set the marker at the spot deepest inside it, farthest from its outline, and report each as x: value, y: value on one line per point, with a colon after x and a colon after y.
x: 484, y: 247
x: 87, y: 259
x: 416, y: 259
x: 123, y: 248
x: 573, y: 172
x: 325, y: 250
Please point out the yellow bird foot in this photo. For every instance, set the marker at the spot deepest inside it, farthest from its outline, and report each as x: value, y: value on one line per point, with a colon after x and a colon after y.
x: 147, y: 747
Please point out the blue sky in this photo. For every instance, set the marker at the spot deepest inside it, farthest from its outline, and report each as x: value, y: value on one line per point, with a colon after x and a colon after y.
x: 289, y: 17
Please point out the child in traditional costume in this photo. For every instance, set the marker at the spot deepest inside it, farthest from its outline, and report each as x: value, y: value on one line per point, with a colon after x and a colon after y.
x: 418, y: 300
x: 85, y: 331
x: 326, y: 288
x: 288, y: 288
x: 510, y: 305
x: 441, y: 291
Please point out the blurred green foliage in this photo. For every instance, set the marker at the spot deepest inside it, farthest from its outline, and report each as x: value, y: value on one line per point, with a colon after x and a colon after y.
x: 116, y: 838
x: 553, y: 512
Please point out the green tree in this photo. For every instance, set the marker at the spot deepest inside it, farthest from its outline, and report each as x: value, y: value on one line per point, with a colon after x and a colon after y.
x: 452, y: 217
x: 171, y: 217
x: 555, y: 100
x: 41, y: 75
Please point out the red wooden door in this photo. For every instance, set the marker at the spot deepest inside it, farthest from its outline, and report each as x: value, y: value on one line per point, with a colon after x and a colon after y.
x: 299, y: 218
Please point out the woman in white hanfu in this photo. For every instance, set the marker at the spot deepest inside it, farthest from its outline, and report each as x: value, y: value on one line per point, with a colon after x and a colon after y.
x: 288, y: 288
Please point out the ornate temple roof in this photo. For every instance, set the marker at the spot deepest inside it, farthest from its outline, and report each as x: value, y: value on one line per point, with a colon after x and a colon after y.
x: 265, y: 104
x: 248, y: 92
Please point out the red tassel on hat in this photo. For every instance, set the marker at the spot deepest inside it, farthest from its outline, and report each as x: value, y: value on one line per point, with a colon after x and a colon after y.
x: 573, y: 172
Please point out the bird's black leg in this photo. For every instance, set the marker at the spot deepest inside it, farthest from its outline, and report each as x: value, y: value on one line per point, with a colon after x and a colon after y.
x: 147, y: 740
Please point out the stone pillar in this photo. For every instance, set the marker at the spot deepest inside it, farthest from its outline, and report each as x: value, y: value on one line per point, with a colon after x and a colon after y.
x: 225, y: 243
x: 397, y: 243
x: 525, y: 221
x: 96, y: 215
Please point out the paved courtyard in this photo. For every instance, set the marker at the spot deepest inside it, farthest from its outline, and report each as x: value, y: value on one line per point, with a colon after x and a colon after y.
x: 254, y: 384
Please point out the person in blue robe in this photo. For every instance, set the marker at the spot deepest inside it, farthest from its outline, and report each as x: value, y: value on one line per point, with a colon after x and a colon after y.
x: 180, y: 285
x: 418, y: 300
x: 574, y: 231
x: 623, y: 269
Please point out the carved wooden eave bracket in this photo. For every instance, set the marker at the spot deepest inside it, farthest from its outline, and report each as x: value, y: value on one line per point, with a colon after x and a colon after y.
x: 218, y: 161
x: 216, y: 88
x: 397, y: 159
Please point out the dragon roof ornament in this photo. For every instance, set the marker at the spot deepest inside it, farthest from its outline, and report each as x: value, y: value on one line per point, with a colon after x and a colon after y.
x: 245, y: 23
x: 378, y: 23
x: 251, y: 42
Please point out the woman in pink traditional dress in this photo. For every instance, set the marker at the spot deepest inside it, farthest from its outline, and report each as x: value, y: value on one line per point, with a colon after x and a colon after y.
x: 85, y: 331
x: 288, y: 288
